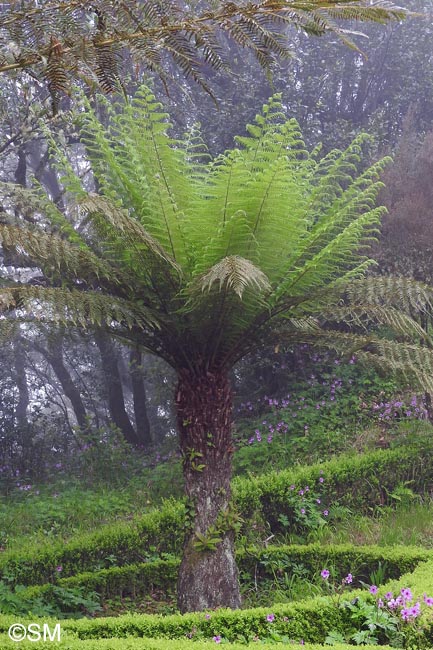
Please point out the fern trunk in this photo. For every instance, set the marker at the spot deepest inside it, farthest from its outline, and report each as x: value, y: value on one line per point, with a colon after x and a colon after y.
x: 208, y: 575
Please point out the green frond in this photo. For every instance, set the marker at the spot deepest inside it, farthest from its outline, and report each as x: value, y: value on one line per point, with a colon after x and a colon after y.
x: 136, y: 159
x: 367, y: 315
x: 101, y: 210
x: 77, y: 308
x: 404, y: 294
x: 55, y: 256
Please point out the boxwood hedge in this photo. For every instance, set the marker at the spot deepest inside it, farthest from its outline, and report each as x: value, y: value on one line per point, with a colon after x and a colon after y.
x: 352, y: 480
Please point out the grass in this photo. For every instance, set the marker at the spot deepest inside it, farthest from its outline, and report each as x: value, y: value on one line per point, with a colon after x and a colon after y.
x: 65, y: 508
x: 406, y: 525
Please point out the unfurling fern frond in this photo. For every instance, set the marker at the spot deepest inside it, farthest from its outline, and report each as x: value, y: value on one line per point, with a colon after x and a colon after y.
x: 235, y: 273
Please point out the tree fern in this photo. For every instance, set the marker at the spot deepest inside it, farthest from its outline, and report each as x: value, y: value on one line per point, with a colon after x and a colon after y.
x: 203, y: 261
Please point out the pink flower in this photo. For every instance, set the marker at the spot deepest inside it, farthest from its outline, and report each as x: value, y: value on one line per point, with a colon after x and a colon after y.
x: 270, y: 618
x: 373, y: 589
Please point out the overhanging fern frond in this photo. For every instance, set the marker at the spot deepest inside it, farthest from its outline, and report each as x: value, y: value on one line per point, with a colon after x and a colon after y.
x: 81, y: 39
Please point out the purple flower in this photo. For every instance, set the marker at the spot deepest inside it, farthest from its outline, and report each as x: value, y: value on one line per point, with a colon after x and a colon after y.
x: 317, y: 500
x: 373, y: 589
x: 405, y: 614
x: 428, y: 600
x: 389, y: 595
x: 292, y: 487
x: 325, y: 513
x: 415, y: 610
x: 348, y: 579
x: 207, y: 616
x: 407, y: 594
x: 217, y: 638
x: 325, y: 574
x: 302, y: 511
x: 270, y: 618
x: 321, y: 479
x: 380, y: 603
x: 59, y: 568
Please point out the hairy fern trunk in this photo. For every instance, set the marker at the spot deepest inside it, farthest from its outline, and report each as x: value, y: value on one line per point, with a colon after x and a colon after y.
x: 208, y: 575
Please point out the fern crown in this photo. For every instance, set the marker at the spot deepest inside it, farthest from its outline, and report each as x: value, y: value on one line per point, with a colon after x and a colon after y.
x: 202, y: 260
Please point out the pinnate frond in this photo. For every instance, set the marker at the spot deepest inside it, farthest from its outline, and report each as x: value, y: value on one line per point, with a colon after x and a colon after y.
x: 403, y: 293
x: 76, y: 308
x: 55, y: 255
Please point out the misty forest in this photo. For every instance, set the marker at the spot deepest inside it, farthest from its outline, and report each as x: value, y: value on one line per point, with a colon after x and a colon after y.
x: 216, y: 339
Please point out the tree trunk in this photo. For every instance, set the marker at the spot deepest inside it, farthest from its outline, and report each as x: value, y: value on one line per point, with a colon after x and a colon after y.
x: 54, y: 354
x: 142, y: 424
x: 113, y: 382
x: 208, y: 575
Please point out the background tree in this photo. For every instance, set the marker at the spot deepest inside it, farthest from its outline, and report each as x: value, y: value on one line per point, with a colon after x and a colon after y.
x: 202, y: 262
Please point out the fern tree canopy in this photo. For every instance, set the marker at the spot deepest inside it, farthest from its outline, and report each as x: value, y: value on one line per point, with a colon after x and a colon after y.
x: 203, y: 260
x: 63, y: 40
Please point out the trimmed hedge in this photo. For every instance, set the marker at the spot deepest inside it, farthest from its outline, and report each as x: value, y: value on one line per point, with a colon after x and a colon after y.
x: 158, y: 644
x: 345, y: 558
x: 132, y: 580
x: 156, y: 532
x: 139, y: 579
x: 309, y: 620
x: 358, y: 482
x: 353, y: 480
